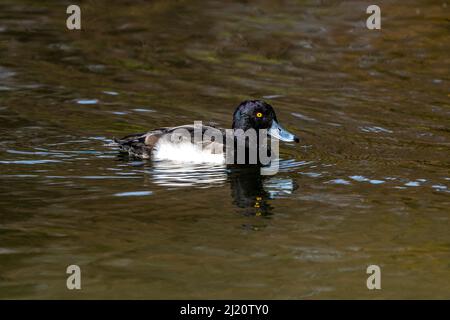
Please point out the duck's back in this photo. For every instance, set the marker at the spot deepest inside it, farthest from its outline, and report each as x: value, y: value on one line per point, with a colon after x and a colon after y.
x: 174, y: 143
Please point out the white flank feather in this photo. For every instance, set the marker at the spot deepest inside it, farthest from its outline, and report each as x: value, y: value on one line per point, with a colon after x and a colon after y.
x: 186, y: 152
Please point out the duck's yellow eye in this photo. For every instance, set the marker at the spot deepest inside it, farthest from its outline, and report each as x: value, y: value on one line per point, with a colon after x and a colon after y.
x: 259, y: 114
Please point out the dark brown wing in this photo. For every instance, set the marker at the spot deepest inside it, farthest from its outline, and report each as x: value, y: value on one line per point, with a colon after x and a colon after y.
x: 140, y: 145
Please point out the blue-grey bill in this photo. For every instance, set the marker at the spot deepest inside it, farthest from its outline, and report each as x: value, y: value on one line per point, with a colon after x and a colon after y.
x: 277, y: 131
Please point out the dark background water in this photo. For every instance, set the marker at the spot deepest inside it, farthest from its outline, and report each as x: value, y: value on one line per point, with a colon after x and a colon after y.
x: 368, y: 183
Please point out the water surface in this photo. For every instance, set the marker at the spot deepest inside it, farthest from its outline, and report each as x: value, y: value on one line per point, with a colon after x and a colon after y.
x: 368, y: 183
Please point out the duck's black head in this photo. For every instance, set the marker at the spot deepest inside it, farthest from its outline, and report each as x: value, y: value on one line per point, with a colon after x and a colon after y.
x: 257, y: 114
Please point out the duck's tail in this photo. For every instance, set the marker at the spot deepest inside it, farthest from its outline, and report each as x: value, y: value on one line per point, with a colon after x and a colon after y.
x: 134, y: 145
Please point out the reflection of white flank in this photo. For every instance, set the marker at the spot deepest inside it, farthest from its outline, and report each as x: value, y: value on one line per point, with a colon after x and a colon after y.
x: 182, y: 174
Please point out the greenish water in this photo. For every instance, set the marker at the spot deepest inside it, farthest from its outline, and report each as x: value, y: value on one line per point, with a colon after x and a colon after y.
x: 369, y: 182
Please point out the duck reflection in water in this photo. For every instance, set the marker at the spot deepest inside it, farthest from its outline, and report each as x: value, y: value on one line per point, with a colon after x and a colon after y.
x: 247, y: 190
x: 250, y: 191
